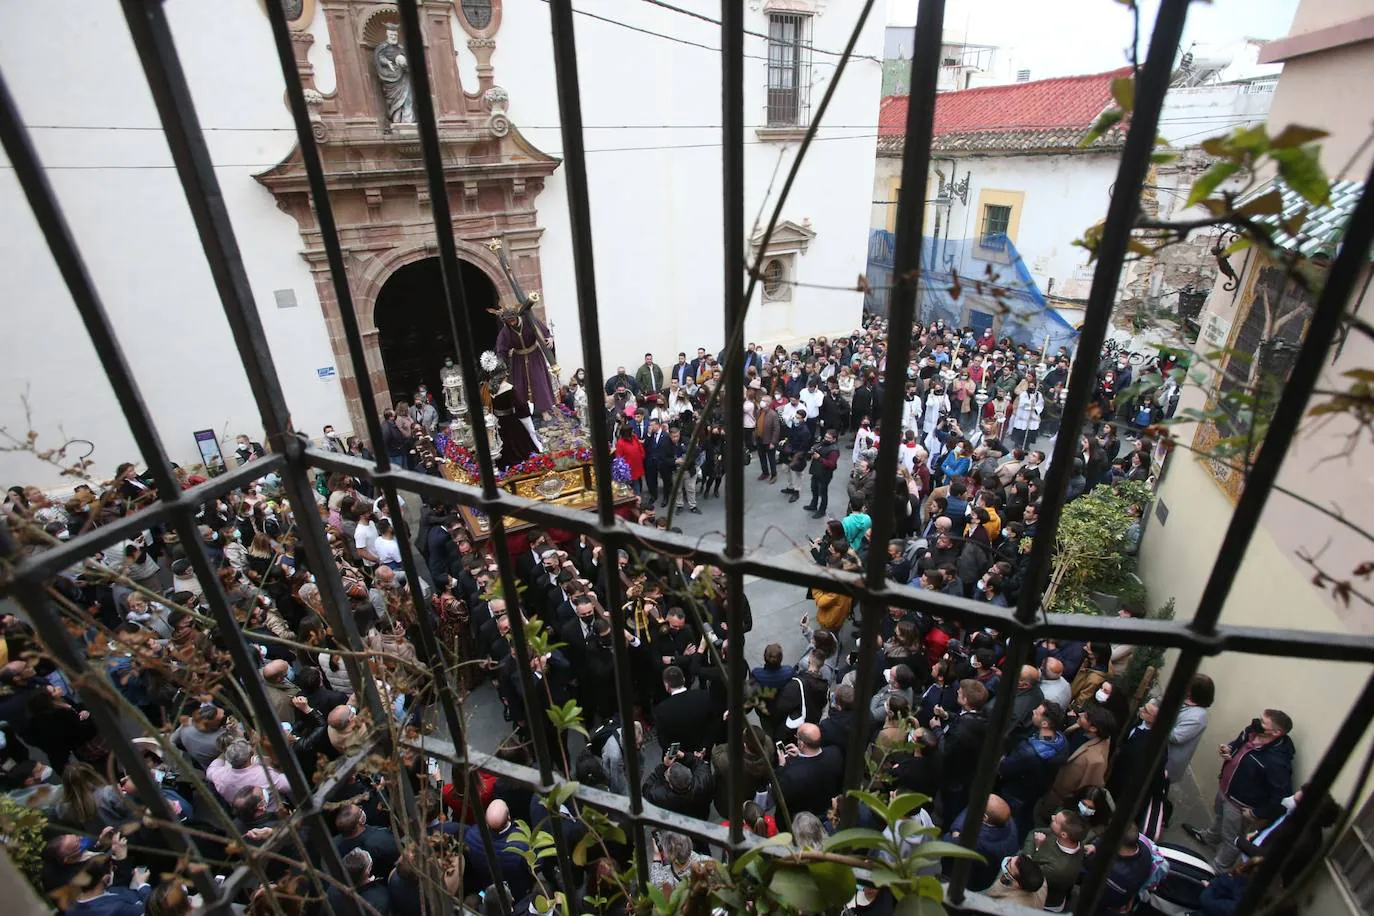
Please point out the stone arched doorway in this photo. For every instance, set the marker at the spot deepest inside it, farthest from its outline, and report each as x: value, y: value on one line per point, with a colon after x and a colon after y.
x: 414, y: 332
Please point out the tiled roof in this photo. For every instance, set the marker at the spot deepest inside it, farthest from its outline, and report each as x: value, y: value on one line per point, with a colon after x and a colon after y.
x: 1053, y: 114
x: 1325, y: 226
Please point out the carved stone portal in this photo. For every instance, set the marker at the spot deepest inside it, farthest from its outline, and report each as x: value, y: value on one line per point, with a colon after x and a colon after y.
x: 381, y: 203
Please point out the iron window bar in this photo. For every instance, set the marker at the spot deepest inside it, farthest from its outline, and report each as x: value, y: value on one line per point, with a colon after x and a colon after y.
x: 1202, y: 637
x: 427, y: 126
x: 568, y: 84
x: 314, y: 168
x: 733, y: 264
x: 30, y: 590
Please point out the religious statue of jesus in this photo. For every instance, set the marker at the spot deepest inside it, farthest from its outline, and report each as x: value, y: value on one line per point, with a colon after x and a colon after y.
x: 524, y: 343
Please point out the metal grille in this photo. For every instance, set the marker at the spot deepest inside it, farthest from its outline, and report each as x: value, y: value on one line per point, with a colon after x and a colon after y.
x: 996, y: 220
x: 292, y: 458
x: 789, y: 69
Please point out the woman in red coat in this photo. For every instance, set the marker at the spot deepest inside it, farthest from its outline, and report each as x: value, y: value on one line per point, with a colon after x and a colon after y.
x: 632, y: 450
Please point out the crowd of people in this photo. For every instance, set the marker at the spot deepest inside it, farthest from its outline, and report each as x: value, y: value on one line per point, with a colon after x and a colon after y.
x: 967, y: 494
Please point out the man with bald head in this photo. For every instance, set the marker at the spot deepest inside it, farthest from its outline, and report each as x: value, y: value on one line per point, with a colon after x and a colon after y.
x: 280, y: 691
x: 1025, y: 702
x: 996, y: 840
x: 509, y: 866
x: 810, y: 775
x: 1053, y: 687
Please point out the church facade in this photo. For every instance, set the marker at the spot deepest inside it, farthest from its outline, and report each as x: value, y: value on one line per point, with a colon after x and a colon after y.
x: 650, y: 85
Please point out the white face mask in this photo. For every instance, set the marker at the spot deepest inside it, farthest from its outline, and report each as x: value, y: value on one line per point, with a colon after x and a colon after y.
x: 45, y: 773
x: 1084, y: 810
x: 1101, y: 696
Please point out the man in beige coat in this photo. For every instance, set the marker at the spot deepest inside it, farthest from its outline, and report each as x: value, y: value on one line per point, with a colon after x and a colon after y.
x: 1087, y: 763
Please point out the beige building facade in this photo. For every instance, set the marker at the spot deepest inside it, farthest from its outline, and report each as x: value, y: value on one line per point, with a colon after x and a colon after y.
x: 1328, y: 55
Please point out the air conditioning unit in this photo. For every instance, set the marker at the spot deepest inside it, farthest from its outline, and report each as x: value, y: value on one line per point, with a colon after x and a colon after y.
x: 1023, y: 76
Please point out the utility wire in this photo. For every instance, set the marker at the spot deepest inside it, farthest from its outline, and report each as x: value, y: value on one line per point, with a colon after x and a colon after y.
x: 716, y: 22
x: 643, y: 31
x: 356, y: 166
x: 609, y: 149
x: 1235, y: 119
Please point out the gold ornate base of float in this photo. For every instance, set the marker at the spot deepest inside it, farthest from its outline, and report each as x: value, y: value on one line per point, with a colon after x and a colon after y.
x: 573, y: 486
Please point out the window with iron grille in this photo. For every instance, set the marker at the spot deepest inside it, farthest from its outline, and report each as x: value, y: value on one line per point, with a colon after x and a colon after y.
x: 1262, y: 351
x: 28, y: 575
x: 789, y: 69
x: 1353, y: 859
x: 775, y: 279
x: 996, y: 221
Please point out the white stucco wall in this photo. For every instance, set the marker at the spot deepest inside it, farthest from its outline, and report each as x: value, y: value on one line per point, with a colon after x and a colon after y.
x: 130, y: 219
x: 1064, y: 195
x: 657, y: 212
x: 1192, y: 114
x: 655, y: 192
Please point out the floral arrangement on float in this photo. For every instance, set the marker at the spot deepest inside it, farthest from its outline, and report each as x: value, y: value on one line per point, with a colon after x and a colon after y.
x: 535, y: 464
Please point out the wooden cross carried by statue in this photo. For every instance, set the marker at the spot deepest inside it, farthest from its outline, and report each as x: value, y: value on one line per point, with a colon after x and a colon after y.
x: 524, y: 342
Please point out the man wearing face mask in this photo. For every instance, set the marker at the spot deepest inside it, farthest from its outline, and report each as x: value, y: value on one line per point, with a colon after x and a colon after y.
x: 1256, y: 775
x: 99, y: 896
x: 332, y: 442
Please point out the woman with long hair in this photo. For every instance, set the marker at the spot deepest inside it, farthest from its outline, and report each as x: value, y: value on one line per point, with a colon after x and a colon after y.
x: 89, y: 803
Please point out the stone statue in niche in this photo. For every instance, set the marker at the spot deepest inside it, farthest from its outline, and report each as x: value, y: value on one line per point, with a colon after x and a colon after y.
x: 293, y: 9
x: 394, y: 73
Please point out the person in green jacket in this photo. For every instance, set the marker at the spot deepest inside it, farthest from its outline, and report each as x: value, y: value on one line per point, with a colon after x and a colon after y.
x: 1058, y: 851
x: 649, y: 376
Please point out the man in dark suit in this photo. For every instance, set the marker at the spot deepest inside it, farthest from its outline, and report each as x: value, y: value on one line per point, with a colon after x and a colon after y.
x: 838, y: 726
x: 810, y: 774
x: 441, y: 552
x: 354, y: 833
x: 962, y: 742
x: 1132, y: 758
x: 660, y: 446
x: 676, y: 643
x: 658, y: 453
x: 686, y: 717
x: 682, y: 372
x: 509, y: 866
x: 364, y: 883
x: 527, y: 564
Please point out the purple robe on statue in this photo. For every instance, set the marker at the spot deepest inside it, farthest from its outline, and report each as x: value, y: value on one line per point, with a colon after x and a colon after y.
x: 529, y: 370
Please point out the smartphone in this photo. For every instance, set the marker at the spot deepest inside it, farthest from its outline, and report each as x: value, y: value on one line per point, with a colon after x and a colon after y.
x: 778, y: 745
x: 674, y: 749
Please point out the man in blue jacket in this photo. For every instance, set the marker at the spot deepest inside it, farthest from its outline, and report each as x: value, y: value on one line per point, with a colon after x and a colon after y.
x: 996, y: 841
x: 99, y: 896
x: 1029, y: 768
x: 1256, y: 776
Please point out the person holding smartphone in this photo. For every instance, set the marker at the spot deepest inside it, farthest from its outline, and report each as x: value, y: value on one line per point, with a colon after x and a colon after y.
x: 684, y: 782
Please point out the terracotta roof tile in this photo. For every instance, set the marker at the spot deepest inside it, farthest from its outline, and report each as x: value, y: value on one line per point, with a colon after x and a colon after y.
x: 1039, y: 115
